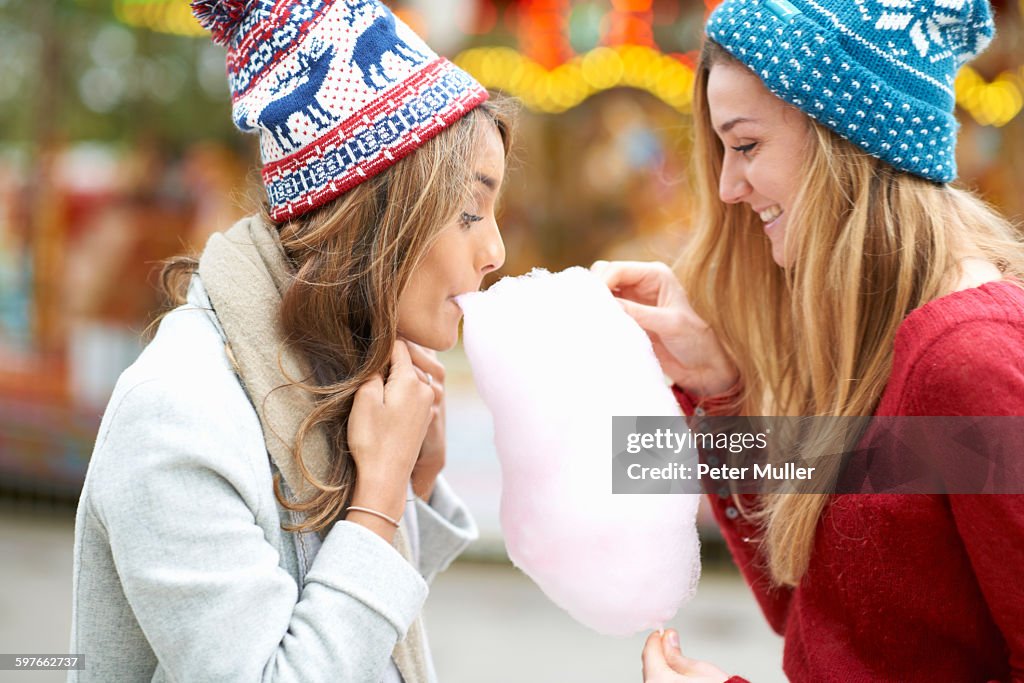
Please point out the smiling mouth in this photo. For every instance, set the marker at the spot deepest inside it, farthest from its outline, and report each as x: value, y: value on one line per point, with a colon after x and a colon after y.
x: 770, y: 217
x: 771, y: 214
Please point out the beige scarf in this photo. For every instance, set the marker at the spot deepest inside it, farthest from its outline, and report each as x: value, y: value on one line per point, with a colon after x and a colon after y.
x: 244, y: 273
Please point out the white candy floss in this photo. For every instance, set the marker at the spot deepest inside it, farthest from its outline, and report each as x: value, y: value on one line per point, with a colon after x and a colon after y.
x: 554, y: 357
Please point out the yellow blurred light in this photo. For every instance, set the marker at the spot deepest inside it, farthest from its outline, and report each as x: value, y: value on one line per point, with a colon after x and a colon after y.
x: 601, y: 68
x: 990, y: 104
x: 671, y: 81
x: 568, y: 85
x: 163, y: 16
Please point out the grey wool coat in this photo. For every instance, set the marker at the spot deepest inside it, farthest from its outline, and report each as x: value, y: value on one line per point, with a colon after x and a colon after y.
x: 181, y: 569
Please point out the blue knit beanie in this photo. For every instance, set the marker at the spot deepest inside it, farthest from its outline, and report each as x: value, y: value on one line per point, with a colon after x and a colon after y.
x: 879, y: 73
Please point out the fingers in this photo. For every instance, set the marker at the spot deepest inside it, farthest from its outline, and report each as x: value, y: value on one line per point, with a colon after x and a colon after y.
x: 424, y: 377
x: 428, y: 368
x: 372, y: 389
x: 674, y: 657
x: 438, y: 389
x: 404, y: 377
x: 426, y: 360
x: 653, y: 657
x: 402, y: 363
x: 431, y: 382
x: 399, y: 355
x: 616, y: 274
x: 627, y: 275
x: 663, y: 661
x: 650, y: 318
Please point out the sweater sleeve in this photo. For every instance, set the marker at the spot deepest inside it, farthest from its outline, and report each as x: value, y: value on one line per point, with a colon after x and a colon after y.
x: 961, y: 373
x: 687, y: 402
x: 178, y: 505
x: 741, y: 538
x: 446, y: 527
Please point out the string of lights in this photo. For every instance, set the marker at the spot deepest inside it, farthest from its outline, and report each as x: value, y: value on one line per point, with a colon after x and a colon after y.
x: 569, y: 84
x: 548, y: 77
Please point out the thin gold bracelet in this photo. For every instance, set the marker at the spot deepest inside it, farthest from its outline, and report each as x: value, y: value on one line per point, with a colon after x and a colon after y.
x: 368, y: 511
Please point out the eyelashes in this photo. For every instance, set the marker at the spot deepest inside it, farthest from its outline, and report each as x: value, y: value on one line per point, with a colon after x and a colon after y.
x: 470, y: 218
x: 743, y: 149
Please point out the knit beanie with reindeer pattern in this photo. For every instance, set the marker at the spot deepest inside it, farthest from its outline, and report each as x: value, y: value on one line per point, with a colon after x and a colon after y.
x: 338, y: 90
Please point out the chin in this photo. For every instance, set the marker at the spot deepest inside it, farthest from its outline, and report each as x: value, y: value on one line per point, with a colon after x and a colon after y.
x: 779, y: 253
x: 439, y: 332
x: 442, y: 342
x: 437, y: 340
x: 450, y: 339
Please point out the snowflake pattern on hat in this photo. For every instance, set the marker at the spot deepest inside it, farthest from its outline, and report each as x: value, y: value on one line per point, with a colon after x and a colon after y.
x: 937, y: 30
x: 338, y: 90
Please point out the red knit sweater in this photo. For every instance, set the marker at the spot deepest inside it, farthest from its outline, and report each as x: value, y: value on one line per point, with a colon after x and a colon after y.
x: 914, y: 587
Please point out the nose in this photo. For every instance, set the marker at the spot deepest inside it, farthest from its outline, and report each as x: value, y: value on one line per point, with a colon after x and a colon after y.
x: 492, y: 250
x: 732, y: 185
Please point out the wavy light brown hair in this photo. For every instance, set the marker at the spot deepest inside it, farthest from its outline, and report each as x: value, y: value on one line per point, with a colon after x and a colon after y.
x: 351, y: 260
x: 869, y: 244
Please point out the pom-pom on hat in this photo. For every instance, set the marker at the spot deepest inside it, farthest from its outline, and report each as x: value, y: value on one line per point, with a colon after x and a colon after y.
x: 220, y: 17
x: 879, y: 73
x: 338, y: 90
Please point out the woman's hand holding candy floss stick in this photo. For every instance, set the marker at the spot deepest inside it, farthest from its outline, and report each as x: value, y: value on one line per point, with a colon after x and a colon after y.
x: 664, y: 662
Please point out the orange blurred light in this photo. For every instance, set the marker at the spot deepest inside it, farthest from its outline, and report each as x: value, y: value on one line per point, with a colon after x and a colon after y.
x: 543, y: 31
x: 631, y: 5
x: 415, y: 20
x: 628, y: 29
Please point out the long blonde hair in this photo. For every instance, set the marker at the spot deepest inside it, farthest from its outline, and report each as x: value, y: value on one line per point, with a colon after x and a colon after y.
x: 869, y: 244
x: 351, y: 260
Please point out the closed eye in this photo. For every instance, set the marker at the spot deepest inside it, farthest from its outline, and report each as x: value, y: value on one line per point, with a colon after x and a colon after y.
x: 743, y: 149
x: 469, y: 218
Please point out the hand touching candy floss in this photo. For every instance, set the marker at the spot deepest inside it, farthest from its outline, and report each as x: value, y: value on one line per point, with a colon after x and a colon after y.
x: 554, y: 357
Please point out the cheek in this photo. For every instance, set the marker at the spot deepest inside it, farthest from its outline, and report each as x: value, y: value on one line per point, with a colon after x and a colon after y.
x: 794, y: 172
x: 779, y: 180
x: 434, y: 296
x: 433, y: 281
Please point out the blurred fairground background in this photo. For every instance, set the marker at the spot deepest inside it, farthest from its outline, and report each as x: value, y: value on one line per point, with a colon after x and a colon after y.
x: 117, y: 150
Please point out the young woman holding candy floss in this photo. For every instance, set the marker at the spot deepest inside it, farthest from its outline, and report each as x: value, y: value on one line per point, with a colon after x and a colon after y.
x: 835, y: 270
x: 264, y: 501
